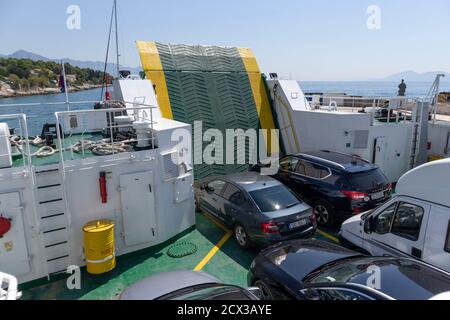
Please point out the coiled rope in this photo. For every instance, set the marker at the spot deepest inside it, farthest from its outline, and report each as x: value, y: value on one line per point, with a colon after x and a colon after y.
x: 100, y: 148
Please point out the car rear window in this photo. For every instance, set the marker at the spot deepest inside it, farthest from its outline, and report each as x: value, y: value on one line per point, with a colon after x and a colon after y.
x: 274, y: 198
x: 367, y: 180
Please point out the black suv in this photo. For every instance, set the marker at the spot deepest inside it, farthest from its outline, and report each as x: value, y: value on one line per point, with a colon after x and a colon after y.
x: 336, y: 185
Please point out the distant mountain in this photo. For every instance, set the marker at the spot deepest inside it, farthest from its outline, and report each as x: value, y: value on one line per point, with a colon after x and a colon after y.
x: 413, y: 76
x: 95, y: 65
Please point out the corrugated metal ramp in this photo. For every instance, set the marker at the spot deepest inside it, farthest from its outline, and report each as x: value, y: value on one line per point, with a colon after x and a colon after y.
x: 220, y: 86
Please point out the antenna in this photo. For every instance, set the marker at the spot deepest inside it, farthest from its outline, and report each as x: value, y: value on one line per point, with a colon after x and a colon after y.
x: 113, y: 14
x: 117, y: 38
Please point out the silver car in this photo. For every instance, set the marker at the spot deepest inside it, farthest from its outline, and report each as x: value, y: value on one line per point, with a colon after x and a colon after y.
x: 260, y: 209
x: 186, y: 285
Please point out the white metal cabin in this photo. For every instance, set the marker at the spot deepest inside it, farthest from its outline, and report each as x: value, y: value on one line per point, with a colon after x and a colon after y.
x: 334, y: 123
x: 149, y: 197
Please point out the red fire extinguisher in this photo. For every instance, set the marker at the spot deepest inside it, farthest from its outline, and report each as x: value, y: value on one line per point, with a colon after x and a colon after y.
x: 103, y: 192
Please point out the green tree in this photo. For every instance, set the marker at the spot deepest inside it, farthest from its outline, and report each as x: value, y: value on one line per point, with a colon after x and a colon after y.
x: 14, y: 81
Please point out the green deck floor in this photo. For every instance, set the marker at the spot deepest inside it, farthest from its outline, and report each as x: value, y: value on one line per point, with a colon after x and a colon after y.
x: 230, y: 264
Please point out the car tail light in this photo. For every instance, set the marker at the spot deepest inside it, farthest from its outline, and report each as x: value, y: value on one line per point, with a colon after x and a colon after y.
x: 270, y: 227
x: 355, y: 195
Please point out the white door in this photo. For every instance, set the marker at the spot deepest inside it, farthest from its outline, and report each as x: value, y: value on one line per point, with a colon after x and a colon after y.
x: 390, y: 160
x: 438, y: 233
x: 398, y: 229
x: 138, y: 208
x: 14, y: 258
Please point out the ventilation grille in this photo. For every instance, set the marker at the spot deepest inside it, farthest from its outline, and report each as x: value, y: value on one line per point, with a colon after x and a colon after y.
x: 361, y: 140
x: 171, y: 170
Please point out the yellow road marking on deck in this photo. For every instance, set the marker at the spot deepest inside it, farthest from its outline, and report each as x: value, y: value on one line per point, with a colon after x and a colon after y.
x: 213, y: 251
x: 227, y: 236
x: 328, y: 236
x: 216, y: 248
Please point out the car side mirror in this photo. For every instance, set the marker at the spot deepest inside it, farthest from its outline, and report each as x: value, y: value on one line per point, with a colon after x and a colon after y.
x: 369, y: 225
x: 255, y: 291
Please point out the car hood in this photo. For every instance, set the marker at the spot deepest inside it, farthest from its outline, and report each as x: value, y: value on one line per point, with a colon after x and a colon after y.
x: 162, y: 284
x: 299, y: 258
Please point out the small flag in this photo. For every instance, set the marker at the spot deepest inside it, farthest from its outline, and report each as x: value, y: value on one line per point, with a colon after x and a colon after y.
x: 61, y: 84
x: 107, y: 94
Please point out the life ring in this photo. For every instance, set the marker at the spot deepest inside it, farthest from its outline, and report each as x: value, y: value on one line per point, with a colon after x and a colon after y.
x: 5, y: 226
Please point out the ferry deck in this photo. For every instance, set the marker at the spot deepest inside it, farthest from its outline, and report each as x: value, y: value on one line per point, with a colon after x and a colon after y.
x: 218, y: 254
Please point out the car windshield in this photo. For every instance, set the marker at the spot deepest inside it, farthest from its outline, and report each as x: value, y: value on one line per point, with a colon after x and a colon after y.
x: 214, y: 293
x: 367, y: 180
x: 274, y: 198
x: 401, y: 279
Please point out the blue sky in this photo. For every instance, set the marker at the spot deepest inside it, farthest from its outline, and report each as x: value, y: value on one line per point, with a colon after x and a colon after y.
x: 302, y: 39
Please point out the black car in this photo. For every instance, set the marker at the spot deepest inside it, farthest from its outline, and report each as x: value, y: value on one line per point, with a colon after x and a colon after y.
x: 336, y: 185
x: 316, y: 270
x: 260, y: 209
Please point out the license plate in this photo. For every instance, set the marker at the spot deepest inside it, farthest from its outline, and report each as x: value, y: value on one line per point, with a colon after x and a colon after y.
x: 298, y: 224
x: 378, y: 195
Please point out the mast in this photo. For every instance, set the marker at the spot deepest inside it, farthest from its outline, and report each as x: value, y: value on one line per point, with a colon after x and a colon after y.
x: 117, y: 38
x: 66, y: 89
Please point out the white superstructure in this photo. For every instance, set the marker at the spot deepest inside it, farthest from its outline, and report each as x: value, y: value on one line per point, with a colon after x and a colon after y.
x: 149, y: 190
x: 337, y: 124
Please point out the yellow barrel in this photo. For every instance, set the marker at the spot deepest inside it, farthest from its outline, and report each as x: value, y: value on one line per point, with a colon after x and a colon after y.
x: 99, y: 248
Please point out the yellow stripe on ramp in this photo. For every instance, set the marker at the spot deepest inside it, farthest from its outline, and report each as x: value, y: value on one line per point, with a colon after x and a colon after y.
x: 259, y: 95
x: 154, y: 71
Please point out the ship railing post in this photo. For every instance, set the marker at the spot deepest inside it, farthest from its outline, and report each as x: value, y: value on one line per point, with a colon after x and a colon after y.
x: 111, y: 124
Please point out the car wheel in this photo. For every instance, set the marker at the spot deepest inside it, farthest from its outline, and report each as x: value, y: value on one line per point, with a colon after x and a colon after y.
x: 324, y: 214
x: 241, y: 236
x: 265, y: 291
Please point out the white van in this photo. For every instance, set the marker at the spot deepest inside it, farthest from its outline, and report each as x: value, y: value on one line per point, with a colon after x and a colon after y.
x: 414, y: 223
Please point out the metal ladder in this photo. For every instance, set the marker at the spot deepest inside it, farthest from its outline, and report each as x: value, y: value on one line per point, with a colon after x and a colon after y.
x: 53, y: 218
x: 415, y: 141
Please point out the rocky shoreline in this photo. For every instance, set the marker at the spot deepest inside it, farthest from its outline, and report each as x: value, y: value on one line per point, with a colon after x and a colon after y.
x: 7, y: 92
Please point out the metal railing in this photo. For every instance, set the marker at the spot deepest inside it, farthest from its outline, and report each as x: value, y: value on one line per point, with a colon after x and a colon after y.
x: 384, y: 109
x: 116, y: 138
x: 19, y: 142
x: 139, y: 112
